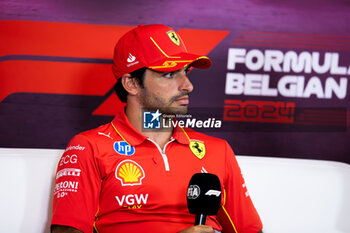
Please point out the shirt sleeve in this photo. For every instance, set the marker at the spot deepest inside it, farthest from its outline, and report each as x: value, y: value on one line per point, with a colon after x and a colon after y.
x: 77, y: 187
x: 237, y: 214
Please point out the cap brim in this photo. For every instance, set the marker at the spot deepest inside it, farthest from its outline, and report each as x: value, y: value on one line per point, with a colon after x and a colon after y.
x: 179, y: 61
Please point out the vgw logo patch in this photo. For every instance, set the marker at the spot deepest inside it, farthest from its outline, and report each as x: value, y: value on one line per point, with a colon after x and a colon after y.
x: 123, y: 148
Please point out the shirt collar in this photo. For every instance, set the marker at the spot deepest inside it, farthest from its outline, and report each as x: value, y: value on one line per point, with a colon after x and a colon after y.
x: 180, y: 135
x: 128, y: 132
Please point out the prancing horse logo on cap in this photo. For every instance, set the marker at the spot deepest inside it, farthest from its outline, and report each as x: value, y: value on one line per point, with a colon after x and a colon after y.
x: 173, y: 37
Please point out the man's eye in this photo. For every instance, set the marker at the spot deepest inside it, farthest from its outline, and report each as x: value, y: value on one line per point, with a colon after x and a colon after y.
x: 168, y: 75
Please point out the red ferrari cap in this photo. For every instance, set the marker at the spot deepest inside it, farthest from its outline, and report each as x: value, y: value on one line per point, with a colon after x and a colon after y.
x: 156, y: 47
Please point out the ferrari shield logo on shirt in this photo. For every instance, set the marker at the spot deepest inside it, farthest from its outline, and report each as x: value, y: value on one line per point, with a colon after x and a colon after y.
x: 197, y: 148
x: 173, y: 37
x: 123, y: 148
x: 129, y: 173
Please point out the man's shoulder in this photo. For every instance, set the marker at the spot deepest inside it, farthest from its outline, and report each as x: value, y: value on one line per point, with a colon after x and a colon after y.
x: 195, y: 135
x: 104, y: 130
x: 211, y: 144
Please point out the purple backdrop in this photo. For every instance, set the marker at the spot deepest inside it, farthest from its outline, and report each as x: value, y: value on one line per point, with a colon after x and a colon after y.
x: 35, y: 120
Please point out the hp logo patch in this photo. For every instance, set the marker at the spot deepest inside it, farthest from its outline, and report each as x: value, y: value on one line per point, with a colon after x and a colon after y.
x: 123, y: 148
x: 151, y: 120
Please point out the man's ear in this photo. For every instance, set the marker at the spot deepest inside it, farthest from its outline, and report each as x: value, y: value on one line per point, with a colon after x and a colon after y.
x: 130, y: 84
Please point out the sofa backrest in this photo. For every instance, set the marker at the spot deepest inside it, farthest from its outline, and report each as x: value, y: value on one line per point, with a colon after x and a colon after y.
x: 291, y: 195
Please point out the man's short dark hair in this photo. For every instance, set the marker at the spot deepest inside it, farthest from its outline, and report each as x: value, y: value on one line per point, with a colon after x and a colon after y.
x: 120, y: 90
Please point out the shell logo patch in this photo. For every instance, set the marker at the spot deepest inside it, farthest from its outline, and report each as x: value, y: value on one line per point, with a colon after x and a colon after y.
x: 173, y: 37
x: 197, y: 148
x: 129, y: 173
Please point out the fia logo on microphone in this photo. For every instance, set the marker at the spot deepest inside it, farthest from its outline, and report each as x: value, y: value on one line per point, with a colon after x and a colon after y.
x: 193, y: 192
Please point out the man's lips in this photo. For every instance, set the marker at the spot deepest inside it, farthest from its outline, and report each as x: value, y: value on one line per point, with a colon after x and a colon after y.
x: 183, y: 100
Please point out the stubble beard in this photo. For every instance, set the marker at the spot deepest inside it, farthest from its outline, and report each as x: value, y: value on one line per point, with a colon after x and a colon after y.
x: 151, y: 102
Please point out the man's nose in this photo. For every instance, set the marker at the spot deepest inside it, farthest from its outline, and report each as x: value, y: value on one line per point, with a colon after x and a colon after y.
x: 186, y: 84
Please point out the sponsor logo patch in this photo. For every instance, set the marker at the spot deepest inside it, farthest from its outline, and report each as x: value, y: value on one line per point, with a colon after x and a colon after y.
x: 132, y: 201
x: 173, y: 37
x: 193, y: 191
x: 129, y: 173
x: 106, y: 135
x: 197, y: 148
x: 68, y: 172
x: 77, y: 147
x: 63, y: 188
x: 123, y: 148
x: 213, y: 192
x: 131, y: 58
x: 68, y: 159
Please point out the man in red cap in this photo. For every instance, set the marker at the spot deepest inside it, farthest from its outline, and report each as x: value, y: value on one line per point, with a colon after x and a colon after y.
x: 122, y: 178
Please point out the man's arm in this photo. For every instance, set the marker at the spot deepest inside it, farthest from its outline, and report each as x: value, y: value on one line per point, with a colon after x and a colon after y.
x: 80, y: 200
x: 64, y: 229
x: 198, y: 229
x: 237, y: 214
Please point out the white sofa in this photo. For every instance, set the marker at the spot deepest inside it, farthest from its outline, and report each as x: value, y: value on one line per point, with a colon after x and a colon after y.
x: 291, y: 195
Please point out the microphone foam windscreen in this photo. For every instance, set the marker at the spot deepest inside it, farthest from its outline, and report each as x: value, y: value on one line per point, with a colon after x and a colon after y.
x: 204, y: 194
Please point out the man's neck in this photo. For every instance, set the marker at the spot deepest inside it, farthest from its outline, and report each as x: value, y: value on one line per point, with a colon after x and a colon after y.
x: 134, y: 115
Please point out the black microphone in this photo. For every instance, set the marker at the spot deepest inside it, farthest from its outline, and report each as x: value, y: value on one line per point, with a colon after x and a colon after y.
x: 203, y: 196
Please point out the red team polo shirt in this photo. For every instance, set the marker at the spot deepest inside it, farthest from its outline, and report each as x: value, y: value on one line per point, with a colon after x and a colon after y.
x: 117, y: 180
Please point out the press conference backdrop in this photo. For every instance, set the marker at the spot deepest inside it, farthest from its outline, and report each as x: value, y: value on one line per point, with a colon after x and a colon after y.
x: 279, y: 82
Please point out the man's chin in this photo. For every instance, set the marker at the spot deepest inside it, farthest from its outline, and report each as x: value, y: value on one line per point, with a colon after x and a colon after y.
x: 180, y: 110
